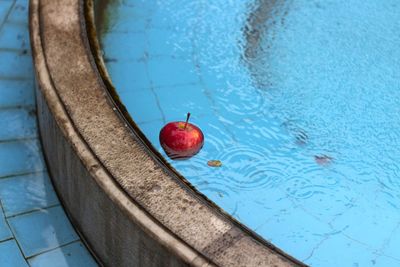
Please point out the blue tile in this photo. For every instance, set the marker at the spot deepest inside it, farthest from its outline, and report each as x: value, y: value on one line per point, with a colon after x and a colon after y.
x: 16, y: 93
x: 337, y: 250
x: 176, y: 102
x: 10, y: 255
x: 163, y: 42
x: 74, y: 254
x: 142, y: 105
x: 17, y: 65
x: 320, y: 204
x: 42, y: 230
x: 19, y: 13
x: 159, y: 20
x: 152, y: 131
x: 295, y: 231
x: 168, y: 72
x: 392, y: 247
x: 4, y: 9
x: 132, y: 16
x: 125, y: 47
x: 238, y: 105
x: 379, y: 226
x: 128, y: 76
x: 264, y: 133
x: 387, y: 261
x: 25, y: 193
x: 131, y: 25
x: 20, y: 157
x: 134, y: 9
x: 213, y: 78
x: 5, y: 232
x: 17, y: 124
x: 14, y: 36
x: 275, y: 206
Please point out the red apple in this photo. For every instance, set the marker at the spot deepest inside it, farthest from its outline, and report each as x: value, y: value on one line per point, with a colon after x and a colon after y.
x: 181, y: 140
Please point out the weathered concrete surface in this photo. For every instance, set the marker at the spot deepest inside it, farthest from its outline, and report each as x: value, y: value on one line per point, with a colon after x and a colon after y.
x: 132, y: 210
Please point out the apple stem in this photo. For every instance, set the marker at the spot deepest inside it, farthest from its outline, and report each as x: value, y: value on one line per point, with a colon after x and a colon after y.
x: 187, y: 119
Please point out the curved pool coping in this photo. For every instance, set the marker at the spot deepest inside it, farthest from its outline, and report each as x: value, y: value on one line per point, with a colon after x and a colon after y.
x: 128, y: 204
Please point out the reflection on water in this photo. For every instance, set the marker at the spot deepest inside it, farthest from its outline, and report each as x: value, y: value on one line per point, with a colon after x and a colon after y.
x: 297, y: 99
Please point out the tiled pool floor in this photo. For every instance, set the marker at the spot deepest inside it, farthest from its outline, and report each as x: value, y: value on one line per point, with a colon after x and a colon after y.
x: 276, y: 86
x: 34, y: 230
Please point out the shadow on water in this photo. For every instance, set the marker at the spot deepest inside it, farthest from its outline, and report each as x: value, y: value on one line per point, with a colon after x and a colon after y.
x: 259, y: 34
x: 256, y: 24
x: 263, y: 16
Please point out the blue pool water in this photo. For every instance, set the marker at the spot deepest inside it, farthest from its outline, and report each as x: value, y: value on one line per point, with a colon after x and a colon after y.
x: 298, y: 99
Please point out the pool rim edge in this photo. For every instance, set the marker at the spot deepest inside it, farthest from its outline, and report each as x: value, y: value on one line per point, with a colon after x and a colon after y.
x: 95, y: 167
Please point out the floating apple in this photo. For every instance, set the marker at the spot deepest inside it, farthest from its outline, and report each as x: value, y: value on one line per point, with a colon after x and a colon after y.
x: 181, y: 140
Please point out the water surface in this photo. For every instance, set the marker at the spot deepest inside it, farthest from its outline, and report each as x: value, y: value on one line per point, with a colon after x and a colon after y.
x: 298, y: 99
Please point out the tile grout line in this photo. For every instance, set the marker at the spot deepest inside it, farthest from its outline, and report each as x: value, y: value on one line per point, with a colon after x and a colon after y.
x: 5, y: 219
x: 16, y: 241
x: 7, y: 15
x: 12, y: 51
x: 14, y: 236
x: 52, y: 249
x: 205, y: 89
x: 8, y: 239
x: 386, y: 243
x: 26, y: 258
x: 18, y: 140
x: 15, y: 78
x: 44, y: 171
x: 146, y: 63
x: 32, y: 211
x: 18, y: 51
x: 16, y: 23
x: 18, y: 107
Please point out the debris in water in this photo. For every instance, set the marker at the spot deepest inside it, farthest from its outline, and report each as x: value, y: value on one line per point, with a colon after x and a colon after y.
x: 323, y: 160
x: 214, y: 163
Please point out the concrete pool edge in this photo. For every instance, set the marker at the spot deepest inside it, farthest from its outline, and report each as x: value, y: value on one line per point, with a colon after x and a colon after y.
x: 108, y: 180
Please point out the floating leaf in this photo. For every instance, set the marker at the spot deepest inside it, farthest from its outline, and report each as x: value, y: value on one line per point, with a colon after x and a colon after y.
x: 214, y: 163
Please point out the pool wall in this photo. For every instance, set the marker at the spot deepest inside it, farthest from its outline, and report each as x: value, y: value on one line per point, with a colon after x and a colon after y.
x: 127, y: 205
